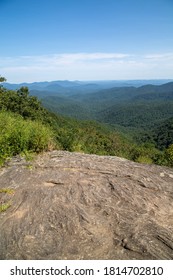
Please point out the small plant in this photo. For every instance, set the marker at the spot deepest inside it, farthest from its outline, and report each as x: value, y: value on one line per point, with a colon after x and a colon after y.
x: 144, y: 159
x: 30, y: 166
x: 29, y: 156
x: 8, y: 191
x: 4, y: 206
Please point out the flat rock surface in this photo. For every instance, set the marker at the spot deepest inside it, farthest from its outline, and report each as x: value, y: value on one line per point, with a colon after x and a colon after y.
x: 75, y: 206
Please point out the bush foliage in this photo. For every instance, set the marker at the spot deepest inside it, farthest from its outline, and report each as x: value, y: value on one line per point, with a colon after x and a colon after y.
x: 19, y: 135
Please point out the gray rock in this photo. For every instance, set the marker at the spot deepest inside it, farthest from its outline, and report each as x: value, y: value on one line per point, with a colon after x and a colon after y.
x: 77, y: 206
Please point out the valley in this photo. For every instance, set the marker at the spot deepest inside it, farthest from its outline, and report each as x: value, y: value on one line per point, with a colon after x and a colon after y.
x: 131, y: 119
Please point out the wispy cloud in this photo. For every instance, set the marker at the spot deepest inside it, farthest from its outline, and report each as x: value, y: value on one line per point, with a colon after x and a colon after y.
x: 61, y: 58
x: 157, y: 56
x: 87, y: 66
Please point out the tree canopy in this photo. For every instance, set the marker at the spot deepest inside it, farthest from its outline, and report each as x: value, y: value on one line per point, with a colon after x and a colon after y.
x: 2, y: 79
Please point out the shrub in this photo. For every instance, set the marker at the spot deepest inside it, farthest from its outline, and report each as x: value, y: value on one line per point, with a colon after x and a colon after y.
x: 169, y: 155
x: 18, y: 135
x: 22, y: 103
x: 144, y: 159
x: 4, y: 206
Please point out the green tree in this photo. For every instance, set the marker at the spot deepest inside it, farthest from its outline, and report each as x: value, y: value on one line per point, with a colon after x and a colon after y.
x: 2, y: 79
x: 22, y: 103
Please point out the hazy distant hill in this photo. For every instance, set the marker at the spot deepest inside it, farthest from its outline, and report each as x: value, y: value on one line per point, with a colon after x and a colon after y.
x: 134, y: 104
x: 138, y: 107
x: 142, y: 107
x: 88, y: 84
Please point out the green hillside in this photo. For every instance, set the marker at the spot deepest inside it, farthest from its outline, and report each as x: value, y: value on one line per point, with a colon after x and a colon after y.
x: 27, y: 127
x: 66, y: 107
x: 161, y: 135
x: 137, y: 114
x: 129, y: 107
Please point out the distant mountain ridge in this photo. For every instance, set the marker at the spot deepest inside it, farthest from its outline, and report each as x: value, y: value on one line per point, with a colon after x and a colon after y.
x: 100, y: 84
x: 131, y: 106
x: 137, y: 104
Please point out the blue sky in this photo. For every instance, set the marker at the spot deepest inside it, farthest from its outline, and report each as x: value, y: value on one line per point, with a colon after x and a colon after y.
x: 86, y: 39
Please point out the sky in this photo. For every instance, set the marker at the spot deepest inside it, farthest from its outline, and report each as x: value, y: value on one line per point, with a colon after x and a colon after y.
x: 43, y: 40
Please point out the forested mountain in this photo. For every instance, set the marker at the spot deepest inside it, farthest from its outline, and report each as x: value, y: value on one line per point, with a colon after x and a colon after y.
x: 139, y: 119
x: 134, y: 107
x: 26, y: 126
x: 142, y: 107
x: 66, y: 107
x: 161, y: 135
x: 139, y: 114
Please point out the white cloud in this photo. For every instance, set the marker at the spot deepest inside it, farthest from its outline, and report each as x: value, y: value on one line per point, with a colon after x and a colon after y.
x: 157, y: 56
x: 87, y: 66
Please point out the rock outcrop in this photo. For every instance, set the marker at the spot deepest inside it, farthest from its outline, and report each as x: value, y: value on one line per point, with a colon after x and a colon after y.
x: 76, y: 206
